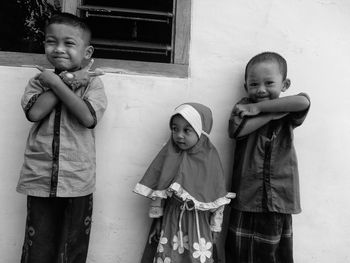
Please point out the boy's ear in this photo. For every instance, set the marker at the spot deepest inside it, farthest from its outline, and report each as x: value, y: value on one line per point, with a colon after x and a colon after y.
x: 89, y: 50
x: 286, y: 84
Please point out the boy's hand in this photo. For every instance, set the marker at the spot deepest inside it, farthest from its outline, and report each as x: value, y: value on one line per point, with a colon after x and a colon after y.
x: 81, y: 77
x: 246, y: 110
x: 48, y: 78
x: 78, y: 78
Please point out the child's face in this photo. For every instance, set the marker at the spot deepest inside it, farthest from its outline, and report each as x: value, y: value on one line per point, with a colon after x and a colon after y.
x: 65, y: 47
x: 184, y: 136
x: 265, y: 81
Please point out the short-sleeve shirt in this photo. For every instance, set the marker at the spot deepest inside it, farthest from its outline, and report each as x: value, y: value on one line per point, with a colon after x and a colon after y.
x: 265, y: 174
x: 59, y: 158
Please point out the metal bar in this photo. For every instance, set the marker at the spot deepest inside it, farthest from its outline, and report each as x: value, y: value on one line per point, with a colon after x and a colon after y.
x: 124, y: 10
x: 173, y: 26
x: 166, y: 20
x: 132, y: 50
x: 130, y: 44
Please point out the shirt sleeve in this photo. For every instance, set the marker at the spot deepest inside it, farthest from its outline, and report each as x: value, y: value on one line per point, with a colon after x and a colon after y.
x: 297, y: 118
x: 236, y: 123
x: 31, y: 93
x: 96, y: 99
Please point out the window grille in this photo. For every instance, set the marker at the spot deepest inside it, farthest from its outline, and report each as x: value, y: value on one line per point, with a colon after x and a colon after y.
x: 133, y: 30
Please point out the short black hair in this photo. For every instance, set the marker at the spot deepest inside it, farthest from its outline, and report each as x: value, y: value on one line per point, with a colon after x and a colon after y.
x: 268, y: 56
x: 71, y: 20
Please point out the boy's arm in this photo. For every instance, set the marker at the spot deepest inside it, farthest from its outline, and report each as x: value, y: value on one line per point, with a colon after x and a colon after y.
x: 241, y: 126
x: 255, y: 115
x: 285, y: 104
x: 253, y: 123
x: 74, y: 103
x: 37, y: 101
x: 42, y: 106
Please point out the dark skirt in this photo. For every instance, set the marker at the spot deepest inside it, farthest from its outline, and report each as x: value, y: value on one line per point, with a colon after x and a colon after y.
x: 259, y: 237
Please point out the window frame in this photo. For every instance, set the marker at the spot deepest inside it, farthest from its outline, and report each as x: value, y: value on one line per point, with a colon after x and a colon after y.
x: 179, y: 68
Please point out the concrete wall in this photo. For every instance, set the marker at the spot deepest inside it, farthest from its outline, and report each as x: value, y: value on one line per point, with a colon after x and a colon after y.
x: 313, y: 35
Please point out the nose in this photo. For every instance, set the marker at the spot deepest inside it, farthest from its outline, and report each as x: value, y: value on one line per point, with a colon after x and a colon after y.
x: 179, y: 135
x: 59, y: 48
x: 261, y: 89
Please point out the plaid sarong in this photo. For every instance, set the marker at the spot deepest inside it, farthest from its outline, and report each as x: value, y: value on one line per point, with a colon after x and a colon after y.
x: 259, y: 237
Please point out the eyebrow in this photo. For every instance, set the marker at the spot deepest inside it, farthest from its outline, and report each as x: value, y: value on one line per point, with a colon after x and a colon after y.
x: 189, y: 126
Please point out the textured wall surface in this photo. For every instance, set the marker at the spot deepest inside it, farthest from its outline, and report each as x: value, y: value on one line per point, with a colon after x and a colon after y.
x: 312, y: 35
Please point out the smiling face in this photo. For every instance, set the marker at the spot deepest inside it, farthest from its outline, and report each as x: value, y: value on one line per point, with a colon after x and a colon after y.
x: 265, y: 81
x: 65, y: 47
x: 184, y: 136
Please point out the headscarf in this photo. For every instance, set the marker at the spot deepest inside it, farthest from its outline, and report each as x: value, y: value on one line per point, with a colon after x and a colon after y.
x: 195, y: 174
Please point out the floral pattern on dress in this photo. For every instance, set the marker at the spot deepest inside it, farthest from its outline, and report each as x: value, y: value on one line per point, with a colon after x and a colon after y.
x: 166, y: 260
x: 162, y: 241
x: 177, y: 243
x: 202, y: 250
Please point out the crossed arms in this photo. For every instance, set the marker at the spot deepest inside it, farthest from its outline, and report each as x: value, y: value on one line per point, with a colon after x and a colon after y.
x: 56, y: 91
x: 258, y: 114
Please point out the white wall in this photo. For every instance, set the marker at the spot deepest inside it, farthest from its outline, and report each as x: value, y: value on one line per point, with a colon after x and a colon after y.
x: 313, y: 35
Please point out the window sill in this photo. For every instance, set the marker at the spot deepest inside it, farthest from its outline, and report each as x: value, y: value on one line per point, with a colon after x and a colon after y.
x: 17, y: 59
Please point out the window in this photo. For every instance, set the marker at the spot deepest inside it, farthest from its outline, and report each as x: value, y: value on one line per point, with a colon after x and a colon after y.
x: 131, y: 30
x: 137, y: 36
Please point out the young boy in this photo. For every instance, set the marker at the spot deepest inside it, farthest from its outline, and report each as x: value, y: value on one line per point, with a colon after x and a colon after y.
x: 58, y: 174
x: 265, y: 173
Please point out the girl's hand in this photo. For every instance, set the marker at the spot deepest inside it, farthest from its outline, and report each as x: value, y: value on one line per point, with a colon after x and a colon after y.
x: 155, y: 230
x: 215, y: 236
x: 246, y: 110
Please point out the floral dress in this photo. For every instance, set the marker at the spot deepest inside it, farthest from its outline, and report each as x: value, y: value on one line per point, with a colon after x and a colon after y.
x: 186, y: 233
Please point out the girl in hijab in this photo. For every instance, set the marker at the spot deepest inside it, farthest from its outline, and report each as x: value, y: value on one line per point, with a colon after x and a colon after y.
x: 187, y: 186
